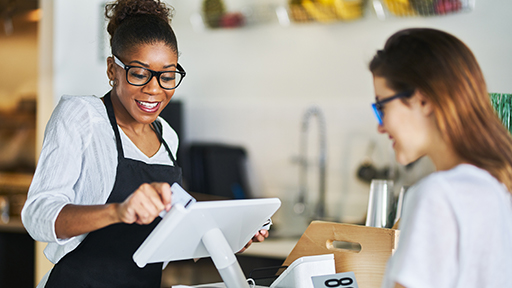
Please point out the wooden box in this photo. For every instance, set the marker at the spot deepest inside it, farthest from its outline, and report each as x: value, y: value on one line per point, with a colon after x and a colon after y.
x: 368, y: 263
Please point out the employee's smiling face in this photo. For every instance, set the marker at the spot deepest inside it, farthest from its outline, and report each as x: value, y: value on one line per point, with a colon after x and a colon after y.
x: 407, y: 125
x: 141, y: 104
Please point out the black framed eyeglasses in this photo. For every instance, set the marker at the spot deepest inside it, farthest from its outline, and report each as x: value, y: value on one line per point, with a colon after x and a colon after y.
x: 378, y: 105
x: 140, y: 76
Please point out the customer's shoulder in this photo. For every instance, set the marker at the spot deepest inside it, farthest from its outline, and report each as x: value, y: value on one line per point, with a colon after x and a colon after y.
x: 464, y: 177
x: 465, y: 174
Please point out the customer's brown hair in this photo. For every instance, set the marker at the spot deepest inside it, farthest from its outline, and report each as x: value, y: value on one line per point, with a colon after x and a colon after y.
x: 445, y: 71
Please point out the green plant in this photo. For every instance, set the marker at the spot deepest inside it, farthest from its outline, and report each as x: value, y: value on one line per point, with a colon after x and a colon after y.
x: 502, y: 104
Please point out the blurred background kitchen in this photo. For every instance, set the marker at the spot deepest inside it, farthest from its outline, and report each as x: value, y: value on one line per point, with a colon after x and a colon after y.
x: 289, y: 88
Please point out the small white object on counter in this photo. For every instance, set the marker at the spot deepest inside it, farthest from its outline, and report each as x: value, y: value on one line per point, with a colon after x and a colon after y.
x: 299, y: 273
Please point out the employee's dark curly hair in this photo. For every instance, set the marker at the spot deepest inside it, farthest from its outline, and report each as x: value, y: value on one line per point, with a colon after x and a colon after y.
x: 136, y: 22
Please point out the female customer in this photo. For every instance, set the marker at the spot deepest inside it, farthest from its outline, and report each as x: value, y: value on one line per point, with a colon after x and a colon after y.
x: 106, y: 164
x: 432, y: 100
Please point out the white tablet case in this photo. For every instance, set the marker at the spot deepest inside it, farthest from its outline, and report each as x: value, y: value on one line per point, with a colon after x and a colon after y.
x: 179, y: 235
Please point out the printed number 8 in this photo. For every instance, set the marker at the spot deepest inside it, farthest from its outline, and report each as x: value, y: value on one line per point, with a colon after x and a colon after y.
x: 343, y: 282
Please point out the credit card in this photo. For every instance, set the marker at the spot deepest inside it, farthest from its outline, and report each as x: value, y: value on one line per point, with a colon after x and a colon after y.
x: 179, y: 196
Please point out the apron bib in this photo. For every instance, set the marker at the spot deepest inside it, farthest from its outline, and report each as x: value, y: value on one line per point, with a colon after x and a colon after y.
x: 104, y: 257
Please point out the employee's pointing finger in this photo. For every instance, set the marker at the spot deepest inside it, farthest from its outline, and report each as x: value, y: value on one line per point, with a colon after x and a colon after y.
x: 164, y: 190
x: 151, y: 199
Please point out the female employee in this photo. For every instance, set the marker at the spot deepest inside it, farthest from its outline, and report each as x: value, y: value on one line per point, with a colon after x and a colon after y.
x: 431, y: 99
x: 106, y: 164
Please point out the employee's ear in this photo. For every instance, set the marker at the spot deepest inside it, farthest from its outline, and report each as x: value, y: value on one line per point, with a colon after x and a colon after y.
x: 110, y: 68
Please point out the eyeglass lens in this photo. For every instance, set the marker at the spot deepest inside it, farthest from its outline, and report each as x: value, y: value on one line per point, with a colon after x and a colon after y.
x: 140, y: 76
x: 378, y: 113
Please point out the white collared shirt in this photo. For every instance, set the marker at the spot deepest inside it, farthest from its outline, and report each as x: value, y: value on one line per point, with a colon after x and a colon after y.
x: 78, y: 165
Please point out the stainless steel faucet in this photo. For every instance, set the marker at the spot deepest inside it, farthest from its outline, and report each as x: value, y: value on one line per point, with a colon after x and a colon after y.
x: 300, y: 206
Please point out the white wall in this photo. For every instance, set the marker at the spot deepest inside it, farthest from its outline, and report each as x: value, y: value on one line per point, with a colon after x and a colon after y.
x: 250, y: 86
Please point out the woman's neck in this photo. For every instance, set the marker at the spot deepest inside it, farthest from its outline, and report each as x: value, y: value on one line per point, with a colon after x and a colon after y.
x: 125, y: 120
x: 443, y: 155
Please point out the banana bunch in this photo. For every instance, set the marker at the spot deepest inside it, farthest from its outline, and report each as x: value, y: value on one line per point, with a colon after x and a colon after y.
x: 400, y: 7
x: 348, y: 10
x: 327, y: 11
x: 319, y: 11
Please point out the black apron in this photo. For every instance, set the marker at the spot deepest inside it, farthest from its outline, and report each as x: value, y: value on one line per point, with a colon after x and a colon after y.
x: 104, y: 257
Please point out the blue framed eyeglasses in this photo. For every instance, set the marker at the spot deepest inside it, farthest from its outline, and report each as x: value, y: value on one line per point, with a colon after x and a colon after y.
x: 378, y: 105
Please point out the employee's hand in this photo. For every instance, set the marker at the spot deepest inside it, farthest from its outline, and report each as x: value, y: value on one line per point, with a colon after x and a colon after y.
x: 144, y: 205
x: 260, y: 236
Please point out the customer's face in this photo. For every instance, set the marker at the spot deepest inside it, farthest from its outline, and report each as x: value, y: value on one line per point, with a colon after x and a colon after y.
x: 406, y: 123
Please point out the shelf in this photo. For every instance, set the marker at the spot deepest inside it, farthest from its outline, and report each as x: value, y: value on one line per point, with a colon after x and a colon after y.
x: 328, y: 12
x: 15, y: 181
x: 420, y: 8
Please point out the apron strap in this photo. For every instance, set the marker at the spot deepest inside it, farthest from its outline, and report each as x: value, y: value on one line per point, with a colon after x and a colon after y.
x: 113, y: 122
x: 157, y: 127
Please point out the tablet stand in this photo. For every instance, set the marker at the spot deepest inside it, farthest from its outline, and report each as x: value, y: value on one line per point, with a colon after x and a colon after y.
x: 224, y: 259
x: 215, y: 229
